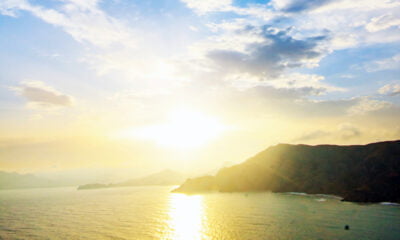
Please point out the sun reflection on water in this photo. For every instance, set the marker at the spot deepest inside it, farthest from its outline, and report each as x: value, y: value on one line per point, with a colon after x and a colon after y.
x: 186, y: 217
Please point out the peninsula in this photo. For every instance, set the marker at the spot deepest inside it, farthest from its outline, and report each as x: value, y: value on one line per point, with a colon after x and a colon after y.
x: 358, y: 173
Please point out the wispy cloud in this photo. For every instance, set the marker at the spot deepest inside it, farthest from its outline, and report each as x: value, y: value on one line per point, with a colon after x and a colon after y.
x: 383, y: 64
x: 392, y: 89
x: 312, y: 135
x: 367, y: 104
x: 205, y: 6
x: 383, y: 22
x: 348, y: 130
x: 344, y: 131
x: 83, y: 20
x: 38, y: 94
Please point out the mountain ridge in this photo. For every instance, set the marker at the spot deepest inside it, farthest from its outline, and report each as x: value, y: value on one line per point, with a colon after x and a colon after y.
x: 165, y: 177
x: 359, y: 173
x: 13, y: 180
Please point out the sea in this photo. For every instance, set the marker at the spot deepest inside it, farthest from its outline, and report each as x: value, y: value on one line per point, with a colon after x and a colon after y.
x: 156, y: 213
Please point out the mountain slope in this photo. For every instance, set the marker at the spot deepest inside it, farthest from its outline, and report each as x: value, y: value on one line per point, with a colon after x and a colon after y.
x: 10, y: 180
x: 362, y: 173
x: 166, y: 177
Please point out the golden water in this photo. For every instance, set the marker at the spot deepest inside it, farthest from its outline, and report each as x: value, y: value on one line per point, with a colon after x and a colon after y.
x: 155, y: 213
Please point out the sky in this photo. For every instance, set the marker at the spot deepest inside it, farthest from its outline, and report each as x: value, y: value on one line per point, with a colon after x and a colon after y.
x: 136, y: 86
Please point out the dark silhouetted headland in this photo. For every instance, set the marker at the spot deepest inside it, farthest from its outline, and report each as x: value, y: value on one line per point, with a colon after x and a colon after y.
x: 358, y: 173
x: 166, y: 177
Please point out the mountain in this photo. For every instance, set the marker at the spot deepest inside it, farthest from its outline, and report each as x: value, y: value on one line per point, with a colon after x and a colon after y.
x: 10, y: 180
x: 358, y: 173
x: 166, y: 177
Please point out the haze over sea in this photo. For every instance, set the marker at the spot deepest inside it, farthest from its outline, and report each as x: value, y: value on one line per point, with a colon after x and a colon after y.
x: 155, y: 213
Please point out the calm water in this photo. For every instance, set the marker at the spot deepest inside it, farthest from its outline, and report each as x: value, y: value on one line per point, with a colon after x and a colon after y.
x: 154, y: 213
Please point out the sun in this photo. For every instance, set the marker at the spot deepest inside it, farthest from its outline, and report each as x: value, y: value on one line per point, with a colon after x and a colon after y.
x: 183, y: 129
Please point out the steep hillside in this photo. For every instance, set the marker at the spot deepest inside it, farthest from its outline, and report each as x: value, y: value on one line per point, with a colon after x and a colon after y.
x: 361, y: 173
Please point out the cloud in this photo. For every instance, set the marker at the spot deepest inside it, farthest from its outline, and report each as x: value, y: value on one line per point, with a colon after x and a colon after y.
x: 382, y: 22
x: 38, y: 94
x: 295, y: 6
x: 205, y: 6
x: 8, y: 7
x: 317, y: 134
x: 392, y: 89
x: 304, y: 81
x: 344, y: 131
x: 348, y: 76
x: 348, y: 131
x: 270, y: 53
x: 83, y: 20
x: 309, y: 84
x: 300, y: 106
x: 350, y: 23
x: 288, y: 103
x: 383, y: 64
x: 367, y: 104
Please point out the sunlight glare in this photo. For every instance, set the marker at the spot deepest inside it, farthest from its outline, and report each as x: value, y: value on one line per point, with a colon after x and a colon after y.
x: 186, y: 217
x: 184, y: 129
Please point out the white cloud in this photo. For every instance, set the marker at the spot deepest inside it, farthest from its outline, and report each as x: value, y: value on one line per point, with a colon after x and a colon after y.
x: 348, y: 76
x: 358, y: 5
x: 366, y: 104
x: 384, y: 64
x: 295, y: 6
x: 40, y: 95
x: 204, y: 6
x: 382, y: 22
x: 345, y: 20
x: 114, y: 49
x: 298, y: 80
x: 390, y: 89
x: 8, y: 7
x: 83, y: 20
x: 310, y: 84
x: 265, y: 51
x: 249, y: 57
x: 344, y: 131
x: 350, y: 23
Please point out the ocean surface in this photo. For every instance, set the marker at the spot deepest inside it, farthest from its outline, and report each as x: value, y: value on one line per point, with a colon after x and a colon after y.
x: 155, y: 213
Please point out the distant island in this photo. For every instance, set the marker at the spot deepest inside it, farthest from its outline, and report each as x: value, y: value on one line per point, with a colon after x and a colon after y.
x: 358, y: 173
x: 166, y: 177
x: 11, y: 180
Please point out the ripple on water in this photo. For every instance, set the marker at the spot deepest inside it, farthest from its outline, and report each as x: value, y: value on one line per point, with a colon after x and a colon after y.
x: 155, y: 213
